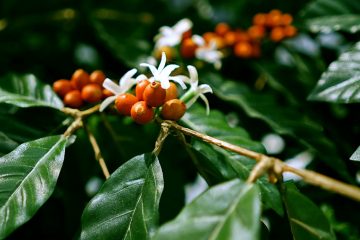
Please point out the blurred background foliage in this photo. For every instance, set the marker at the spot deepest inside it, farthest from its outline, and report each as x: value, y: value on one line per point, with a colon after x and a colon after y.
x: 51, y: 39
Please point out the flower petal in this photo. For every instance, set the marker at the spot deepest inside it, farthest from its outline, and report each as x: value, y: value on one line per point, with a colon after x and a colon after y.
x: 204, y: 88
x: 165, y: 84
x: 183, y: 25
x: 202, y: 96
x: 111, y: 86
x: 141, y: 77
x: 180, y: 80
x: 127, y: 75
x: 127, y: 84
x: 152, y: 68
x: 194, y: 78
x: 107, y: 102
x: 198, y: 40
x: 162, y: 62
x: 165, y: 73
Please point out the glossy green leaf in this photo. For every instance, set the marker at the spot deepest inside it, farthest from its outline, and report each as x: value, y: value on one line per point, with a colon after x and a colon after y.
x: 340, y: 83
x: 356, y: 155
x: 126, y: 207
x: 217, y: 164
x: 27, y: 91
x: 330, y: 7
x: 281, y: 118
x: 347, y: 22
x: 230, y: 210
x: 306, y: 219
x: 28, y: 177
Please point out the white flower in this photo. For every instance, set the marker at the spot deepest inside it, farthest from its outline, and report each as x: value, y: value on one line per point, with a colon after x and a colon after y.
x: 171, y: 36
x: 273, y: 143
x: 125, y: 84
x: 207, y: 52
x: 162, y: 73
x: 199, y: 90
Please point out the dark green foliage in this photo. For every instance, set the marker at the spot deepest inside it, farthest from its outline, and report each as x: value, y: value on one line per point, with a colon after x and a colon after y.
x: 305, y: 89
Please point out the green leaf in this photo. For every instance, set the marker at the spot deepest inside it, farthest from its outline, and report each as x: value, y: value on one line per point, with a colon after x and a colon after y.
x: 346, y: 22
x: 126, y: 207
x: 356, y: 155
x: 282, y: 119
x: 216, y: 164
x: 307, y: 221
x: 27, y: 91
x: 6, y: 144
x: 28, y: 177
x: 340, y: 83
x: 330, y: 7
x: 225, y: 211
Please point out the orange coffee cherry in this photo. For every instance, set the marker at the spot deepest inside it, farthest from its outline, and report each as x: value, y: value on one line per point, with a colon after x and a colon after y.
x: 187, y: 48
x: 212, y: 37
x: 79, y: 79
x: 169, y: 51
x: 256, y: 32
x: 97, y: 77
x: 230, y: 38
x: 91, y: 93
x: 187, y: 34
x: 141, y: 113
x: 208, y: 36
x: 124, y: 102
x: 171, y: 92
x: 243, y: 49
x: 286, y: 19
x: 106, y: 93
x: 241, y: 36
x: 73, y: 99
x: 154, y: 95
x: 221, y: 29
x: 290, y: 31
x: 274, y: 18
x: 173, y: 109
x: 62, y: 87
x: 139, y: 89
x: 277, y: 34
x: 259, y: 19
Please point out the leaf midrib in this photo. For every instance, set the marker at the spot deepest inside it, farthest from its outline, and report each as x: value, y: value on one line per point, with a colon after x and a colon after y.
x: 138, y: 201
x: 216, y: 231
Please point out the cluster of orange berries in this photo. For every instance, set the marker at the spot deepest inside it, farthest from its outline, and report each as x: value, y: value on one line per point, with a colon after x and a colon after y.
x: 82, y: 88
x: 141, y: 106
x: 148, y: 97
x: 246, y: 43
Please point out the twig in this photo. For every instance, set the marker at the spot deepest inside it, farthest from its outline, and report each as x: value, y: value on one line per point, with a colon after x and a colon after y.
x: 325, y: 182
x: 263, y: 166
x: 97, y: 152
x: 217, y: 142
x: 78, y: 123
x: 164, y: 132
x: 75, y: 125
x: 275, y: 166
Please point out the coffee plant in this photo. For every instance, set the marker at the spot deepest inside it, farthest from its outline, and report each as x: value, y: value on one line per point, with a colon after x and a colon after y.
x: 179, y: 119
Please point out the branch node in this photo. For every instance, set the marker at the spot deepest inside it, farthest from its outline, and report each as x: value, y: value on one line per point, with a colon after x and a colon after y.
x: 164, y: 132
x: 264, y: 164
